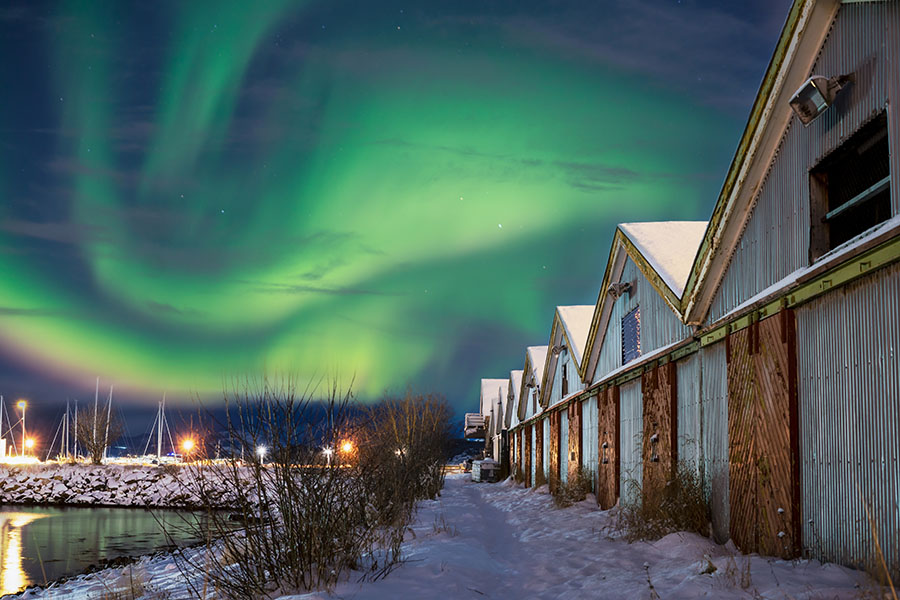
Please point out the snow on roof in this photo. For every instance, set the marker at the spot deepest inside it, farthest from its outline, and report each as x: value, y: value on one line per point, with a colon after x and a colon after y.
x: 516, y: 379
x: 490, y: 388
x: 669, y: 247
x: 577, y: 322
x: 538, y: 356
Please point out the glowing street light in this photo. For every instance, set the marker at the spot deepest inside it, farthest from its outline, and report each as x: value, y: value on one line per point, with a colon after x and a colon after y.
x: 187, y: 445
x: 261, y: 452
x: 347, y: 447
x: 328, y: 452
x: 29, y: 443
x: 22, y: 406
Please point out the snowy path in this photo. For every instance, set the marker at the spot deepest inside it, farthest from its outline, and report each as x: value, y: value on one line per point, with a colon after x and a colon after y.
x: 503, y: 541
x: 499, y: 541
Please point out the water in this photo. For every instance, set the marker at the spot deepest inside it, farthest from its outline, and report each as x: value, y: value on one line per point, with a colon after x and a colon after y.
x: 40, y: 544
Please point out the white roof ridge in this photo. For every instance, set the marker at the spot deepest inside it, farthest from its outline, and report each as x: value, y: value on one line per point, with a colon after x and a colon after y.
x: 669, y: 247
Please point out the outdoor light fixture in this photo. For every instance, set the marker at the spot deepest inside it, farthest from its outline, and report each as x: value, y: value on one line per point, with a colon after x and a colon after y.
x: 187, y: 445
x: 530, y: 383
x: 29, y: 443
x: 347, y: 447
x: 815, y: 96
x: 558, y: 349
x: 616, y: 290
x: 261, y: 451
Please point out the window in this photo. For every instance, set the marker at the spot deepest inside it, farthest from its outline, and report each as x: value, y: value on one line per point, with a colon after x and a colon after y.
x: 565, y: 380
x: 850, y: 189
x: 631, y: 335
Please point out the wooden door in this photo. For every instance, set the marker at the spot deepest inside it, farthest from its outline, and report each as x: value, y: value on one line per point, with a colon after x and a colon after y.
x: 554, y: 449
x: 763, y: 437
x: 659, y: 450
x: 608, y: 448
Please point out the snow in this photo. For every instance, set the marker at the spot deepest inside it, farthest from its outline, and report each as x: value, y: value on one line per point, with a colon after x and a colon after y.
x: 537, y: 355
x: 832, y: 258
x: 577, y: 322
x: 492, y: 392
x: 506, y: 541
x: 669, y: 247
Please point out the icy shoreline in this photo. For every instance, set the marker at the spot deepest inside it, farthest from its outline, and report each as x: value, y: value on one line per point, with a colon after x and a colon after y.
x: 96, y: 485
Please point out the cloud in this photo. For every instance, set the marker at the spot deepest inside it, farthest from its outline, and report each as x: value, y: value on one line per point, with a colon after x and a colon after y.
x: 168, y: 309
x: 59, y: 232
x: 9, y: 311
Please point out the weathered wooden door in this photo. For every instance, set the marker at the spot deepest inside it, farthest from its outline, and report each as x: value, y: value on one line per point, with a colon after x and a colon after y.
x: 527, y: 450
x: 659, y: 450
x: 763, y: 437
x: 554, y: 449
x: 539, y: 452
x: 608, y: 444
x: 573, y: 463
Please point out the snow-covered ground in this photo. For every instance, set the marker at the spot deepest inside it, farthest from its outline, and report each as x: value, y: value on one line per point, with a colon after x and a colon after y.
x: 504, y: 541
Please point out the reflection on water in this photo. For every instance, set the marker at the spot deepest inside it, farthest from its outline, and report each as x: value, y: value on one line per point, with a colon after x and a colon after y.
x: 12, y: 575
x: 40, y: 544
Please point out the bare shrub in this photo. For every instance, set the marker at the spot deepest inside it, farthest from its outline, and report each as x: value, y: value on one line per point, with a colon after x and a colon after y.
x: 677, y: 504
x: 575, y: 489
x: 95, y: 431
x: 325, y: 487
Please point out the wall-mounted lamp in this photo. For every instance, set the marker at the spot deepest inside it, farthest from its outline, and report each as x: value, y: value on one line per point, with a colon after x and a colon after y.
x: 815, y: 96
x: 616, y: 290
x: 558, y: 349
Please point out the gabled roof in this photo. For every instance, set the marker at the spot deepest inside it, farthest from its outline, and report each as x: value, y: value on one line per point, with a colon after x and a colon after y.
x: 801, y: 38
x: 571, y: 325
x: 535, y: 357
x: 669, y: 247
x: 512, y: 396
x: 492, y: 391
x: 663, y: 252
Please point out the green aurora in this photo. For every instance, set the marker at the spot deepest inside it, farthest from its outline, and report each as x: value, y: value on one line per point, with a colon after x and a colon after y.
x: 396, y: 200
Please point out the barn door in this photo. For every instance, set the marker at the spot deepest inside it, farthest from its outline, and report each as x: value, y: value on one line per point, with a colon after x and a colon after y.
x: 608, y: 448
x: 528, y: 455
x: 554, y: 449
x: 763, y: 439
x: 659, y: 451
x: 575, y: 427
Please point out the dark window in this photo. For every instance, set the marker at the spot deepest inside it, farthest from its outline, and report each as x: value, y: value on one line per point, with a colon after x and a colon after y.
x: 631, y: 336
x: 850, y: 189
x: 565, y: 380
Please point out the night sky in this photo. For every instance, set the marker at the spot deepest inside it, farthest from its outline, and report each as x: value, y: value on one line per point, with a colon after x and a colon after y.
x: 397, y: 193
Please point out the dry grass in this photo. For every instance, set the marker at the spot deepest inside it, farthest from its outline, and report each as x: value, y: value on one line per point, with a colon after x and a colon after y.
x: 575, y: 489
x: 679, y: 504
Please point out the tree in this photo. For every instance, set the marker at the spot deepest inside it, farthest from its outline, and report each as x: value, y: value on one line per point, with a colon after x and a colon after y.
x: 95, y: 431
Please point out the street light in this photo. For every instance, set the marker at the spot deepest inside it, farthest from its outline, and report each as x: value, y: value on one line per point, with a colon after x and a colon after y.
x: 23, y: 405
x: 328, y: 452
x: 261, y: 451
x: 187, y: 445
x: 347, y: 447
x: 29, y: 443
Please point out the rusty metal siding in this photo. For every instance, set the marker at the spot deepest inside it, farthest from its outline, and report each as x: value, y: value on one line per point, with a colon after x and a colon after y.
x: 660, y: 326
x: 589, y: 438
x: 775, y: 242
x: 563, y: 446
x: 659, y: 443
x: 714, y: 436
x: 849, y: 395
x: 631, y: 425
x: 688, y: 378
x: 533, y: 445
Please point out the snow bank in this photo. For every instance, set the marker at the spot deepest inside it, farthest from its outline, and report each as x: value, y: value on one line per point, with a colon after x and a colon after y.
x: 505, y: 541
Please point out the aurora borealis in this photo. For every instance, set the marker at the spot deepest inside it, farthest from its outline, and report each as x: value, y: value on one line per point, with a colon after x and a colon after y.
x: 394, y: 193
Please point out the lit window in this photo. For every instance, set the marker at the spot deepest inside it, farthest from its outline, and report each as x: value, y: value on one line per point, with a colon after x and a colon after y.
x: 850, y: 189
x: 631, y: 336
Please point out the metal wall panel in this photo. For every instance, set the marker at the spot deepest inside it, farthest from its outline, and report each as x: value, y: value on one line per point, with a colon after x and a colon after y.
x: 533, y: 452
x: 631, y: 425
x: 589, y: 439
x: 660, y: 326
x: 714, y: 436
x: 848, y: 345
x: 545, y: 462
x: 775, y: 242
x: 688, y: 378
x: 527, y: 451
x: 563, y: 446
